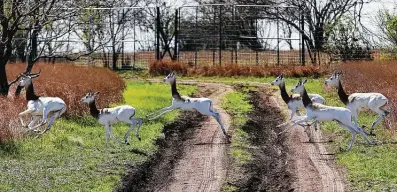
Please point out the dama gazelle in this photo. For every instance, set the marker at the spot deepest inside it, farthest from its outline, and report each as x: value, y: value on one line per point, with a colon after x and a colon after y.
x: 294, y: 101
x: 358, y: 101
x: 320, y: 112
x: 110, y: 116
x: 52, y: 107
x: 202, y: 105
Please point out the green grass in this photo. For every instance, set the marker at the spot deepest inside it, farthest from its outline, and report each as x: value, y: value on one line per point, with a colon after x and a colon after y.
x: 238, y: 106
x: 72, y: 156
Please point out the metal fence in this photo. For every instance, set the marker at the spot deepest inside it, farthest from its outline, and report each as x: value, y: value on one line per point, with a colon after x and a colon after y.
x: 122, y: 37
x: 220, y: 34
x: 213, y: 34
x: 132, y: 37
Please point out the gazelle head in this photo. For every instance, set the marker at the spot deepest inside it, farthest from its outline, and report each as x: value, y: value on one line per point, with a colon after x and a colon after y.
x: 299, y: 87
x: 170, y: 77
x: 278, y: 81
x: 26, y: 78
x: 89, y: 97
x: 333, y: 81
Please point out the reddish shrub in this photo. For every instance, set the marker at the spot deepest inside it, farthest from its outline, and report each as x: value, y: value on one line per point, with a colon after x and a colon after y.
x: 372, y: 76
x: 231, y: 70
x: 164, y: 68
x: 66, y: 81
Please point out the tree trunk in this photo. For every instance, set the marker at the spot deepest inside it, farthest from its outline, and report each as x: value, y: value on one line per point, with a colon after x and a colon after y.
x: 114, y: 55
x: 3, y: 80
x: 32, y: 54
x: 114, y: 60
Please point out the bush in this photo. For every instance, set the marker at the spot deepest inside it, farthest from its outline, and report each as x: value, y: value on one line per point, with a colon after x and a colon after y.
x: 233, y: 70
x: 375, y: 76
x: 66, y: 81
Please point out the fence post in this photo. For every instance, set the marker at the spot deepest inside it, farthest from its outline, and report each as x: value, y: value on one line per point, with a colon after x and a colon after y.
x: 220, y: 35
x: 176, y: 36
x: 303, y: 40
x: 134, y: 47
x: 278, y: 37
x: 195, y: 39
x: 158, y: 33
x: 123, y: 38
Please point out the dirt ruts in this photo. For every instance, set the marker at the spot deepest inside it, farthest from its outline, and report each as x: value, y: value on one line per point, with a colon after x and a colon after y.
x: 313, y: 167
x: 194, y: 156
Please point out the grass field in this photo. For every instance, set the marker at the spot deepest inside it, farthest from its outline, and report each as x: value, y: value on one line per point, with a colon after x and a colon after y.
x: 72, y: 156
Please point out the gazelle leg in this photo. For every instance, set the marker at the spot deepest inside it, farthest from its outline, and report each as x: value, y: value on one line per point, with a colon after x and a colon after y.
x: 218, y: 119
x: 43, y: 121
x: 315, y: 125
x: 35, y: 119
x: 355, y: 116
x: 306, y: 118
x: 159, y: 111
x: 112, y: 136
x: 107, y: 135
x: 290, y: 119
x: 139, y: 128
x: 20, y: 115
x: 133, y: 124
x: 375, y: 123
x: 161, y: 114
x: 52, y: 119
x: 362, y: 132
x: 352, y: 130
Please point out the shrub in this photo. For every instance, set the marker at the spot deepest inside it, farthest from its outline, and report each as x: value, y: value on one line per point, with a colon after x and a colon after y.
x: 375, y: 76
x: 66, y: 81
x: 233, y: 70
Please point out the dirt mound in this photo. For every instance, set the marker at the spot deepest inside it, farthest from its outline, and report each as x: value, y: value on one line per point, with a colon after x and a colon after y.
x: 268, y: 170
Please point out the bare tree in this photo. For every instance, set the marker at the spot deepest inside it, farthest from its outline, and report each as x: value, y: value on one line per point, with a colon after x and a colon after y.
x: 167, y: 24
x: 15, y: 15
x: 319, y: 15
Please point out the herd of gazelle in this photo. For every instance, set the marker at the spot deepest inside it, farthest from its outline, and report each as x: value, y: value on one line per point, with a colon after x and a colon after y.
x: 53, y: 107
x: 346, y: 117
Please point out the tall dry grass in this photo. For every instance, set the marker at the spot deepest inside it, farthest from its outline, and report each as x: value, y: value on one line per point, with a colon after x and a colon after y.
x: 233, y: 70
x: 66, y: 81
x: 372, y: 76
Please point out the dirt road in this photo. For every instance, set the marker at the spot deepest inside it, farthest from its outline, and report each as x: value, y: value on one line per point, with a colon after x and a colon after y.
x: 310, y: 163
x: 203, y: 164
x: 193, y: 157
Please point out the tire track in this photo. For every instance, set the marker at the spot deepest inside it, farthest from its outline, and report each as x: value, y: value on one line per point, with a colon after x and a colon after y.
x: 313, y: 166
x: 203, y: 165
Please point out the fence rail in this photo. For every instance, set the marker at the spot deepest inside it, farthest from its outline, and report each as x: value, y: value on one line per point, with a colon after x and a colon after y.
x: 207, y: 34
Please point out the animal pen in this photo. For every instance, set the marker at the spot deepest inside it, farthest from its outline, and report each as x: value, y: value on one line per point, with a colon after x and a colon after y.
x: 213, y: 34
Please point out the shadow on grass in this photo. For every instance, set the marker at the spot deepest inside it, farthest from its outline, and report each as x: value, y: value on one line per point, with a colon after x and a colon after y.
x: 139, y: 152
x: 9, y: 148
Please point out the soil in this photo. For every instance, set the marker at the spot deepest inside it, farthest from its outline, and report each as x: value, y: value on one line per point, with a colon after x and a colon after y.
x: 313, y: 167
x: 158, y: 169
x: 194, y: 154
x: 267, y: 171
